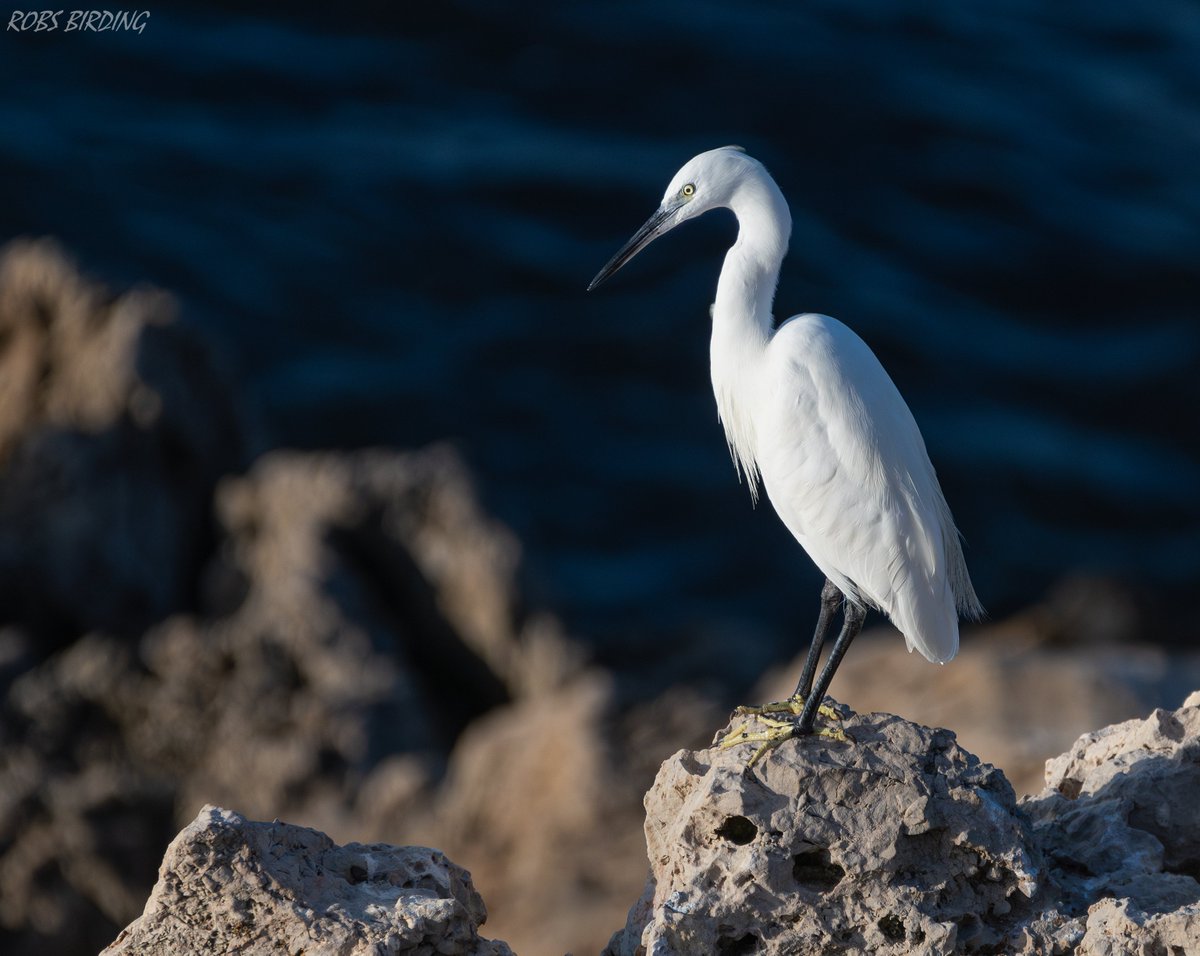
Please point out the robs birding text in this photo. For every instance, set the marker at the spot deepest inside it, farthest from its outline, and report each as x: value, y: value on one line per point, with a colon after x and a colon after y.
x: 83, y: 21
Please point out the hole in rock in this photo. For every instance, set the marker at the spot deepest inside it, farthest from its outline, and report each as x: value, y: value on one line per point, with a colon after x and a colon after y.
x: 737, y: 830
x: 1070, y: 788
x: 892, y: 927
x: 728, y: 946
x: 1072, y: 867
x: 815, y: 870
x: 969, y: 931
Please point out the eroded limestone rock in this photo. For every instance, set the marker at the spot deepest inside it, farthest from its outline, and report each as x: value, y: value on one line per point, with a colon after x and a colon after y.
x: 899, y: 843
x: 1119, y: 824
x: 905, y: 843
x: 230, y: 885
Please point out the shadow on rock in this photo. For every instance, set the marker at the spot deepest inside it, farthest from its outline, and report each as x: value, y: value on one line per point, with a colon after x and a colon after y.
x: 1119, y: 823
x: 115, y: 423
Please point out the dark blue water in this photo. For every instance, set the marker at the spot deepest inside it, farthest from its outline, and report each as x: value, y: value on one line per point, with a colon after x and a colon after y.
x: 390, y: 221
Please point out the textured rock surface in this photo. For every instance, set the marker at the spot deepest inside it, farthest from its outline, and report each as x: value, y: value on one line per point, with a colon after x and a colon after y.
x: 231, y: 885
x: 1120, y: 827
x: 905, y: 843
x: 900, y: 843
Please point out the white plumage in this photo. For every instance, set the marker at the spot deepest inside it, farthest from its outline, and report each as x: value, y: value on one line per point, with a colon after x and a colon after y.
x: 808, y: 410
x: 846, y: 469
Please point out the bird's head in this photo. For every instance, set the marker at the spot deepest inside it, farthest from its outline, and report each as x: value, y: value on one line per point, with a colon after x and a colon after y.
x: 705, y: 182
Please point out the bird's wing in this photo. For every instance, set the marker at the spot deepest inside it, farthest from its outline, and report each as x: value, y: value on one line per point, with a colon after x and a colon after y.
x: 845, y: 466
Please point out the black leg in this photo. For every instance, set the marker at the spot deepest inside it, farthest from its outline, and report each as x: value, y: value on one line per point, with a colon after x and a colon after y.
x: 831, y: 597
x: 852, y: 624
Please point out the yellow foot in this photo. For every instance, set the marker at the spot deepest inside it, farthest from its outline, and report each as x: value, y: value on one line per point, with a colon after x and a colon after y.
x: 776, y: 733
x: 793, y: 705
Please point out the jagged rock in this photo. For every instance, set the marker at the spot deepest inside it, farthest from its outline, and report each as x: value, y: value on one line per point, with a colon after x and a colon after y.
x: 905, y: 843
x: 1120, y: 928
x: 899, y: 843
x: 1119, y: 825
x: 230, y: 885
x: 115, y: 423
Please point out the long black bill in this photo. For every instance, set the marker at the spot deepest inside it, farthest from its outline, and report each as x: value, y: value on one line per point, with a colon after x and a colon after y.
x: 642, y: 238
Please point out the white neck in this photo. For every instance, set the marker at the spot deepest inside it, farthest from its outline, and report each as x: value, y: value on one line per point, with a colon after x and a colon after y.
x: 742, y: 320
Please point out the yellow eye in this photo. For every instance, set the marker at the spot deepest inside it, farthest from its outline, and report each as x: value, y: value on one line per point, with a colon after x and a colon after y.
x: 689, y: 190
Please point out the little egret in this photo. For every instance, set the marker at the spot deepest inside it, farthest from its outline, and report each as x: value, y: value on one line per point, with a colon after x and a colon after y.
x: 808, y: 410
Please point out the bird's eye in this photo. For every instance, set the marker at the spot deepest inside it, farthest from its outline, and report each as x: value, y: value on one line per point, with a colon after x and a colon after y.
x: 689, y: 190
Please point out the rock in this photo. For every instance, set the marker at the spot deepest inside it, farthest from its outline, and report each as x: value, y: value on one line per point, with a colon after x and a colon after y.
x: 1119, y: 825
x: 376, y: 674
x: 1120, y: 928
x: 905, y: 843
x: 230, y: 885
x: 82, y: 825
x: 115, y: 423
x: 900, y: 843
x: 341, y: 674
x: 340, y: 655
x: 339, y: 642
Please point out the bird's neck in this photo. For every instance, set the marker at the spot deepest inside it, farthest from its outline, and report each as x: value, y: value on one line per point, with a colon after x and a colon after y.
x: 742, y: 320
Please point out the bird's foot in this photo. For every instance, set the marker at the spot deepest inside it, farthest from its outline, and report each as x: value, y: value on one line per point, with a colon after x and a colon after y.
x: 777, y: 731
x: 793, y: 705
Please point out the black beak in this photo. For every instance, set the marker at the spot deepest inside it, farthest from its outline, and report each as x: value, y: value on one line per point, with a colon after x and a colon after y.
x: 642, y: 238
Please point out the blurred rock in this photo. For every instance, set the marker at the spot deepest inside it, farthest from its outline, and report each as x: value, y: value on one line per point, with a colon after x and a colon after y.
x: 82, y: 823
x: 283, y: 703
x: 539, y: 799
x: 343, y: 674
x: 115, y: 423
x: 231, y: 885
x: 902, y: 842
x: 348, y: 635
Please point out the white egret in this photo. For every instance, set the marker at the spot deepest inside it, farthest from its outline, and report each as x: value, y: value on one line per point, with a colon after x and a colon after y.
x: 808, y: 410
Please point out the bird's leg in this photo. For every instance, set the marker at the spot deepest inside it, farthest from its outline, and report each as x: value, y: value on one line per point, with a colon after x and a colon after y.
x: 831, y: 598
x: 852, y: 623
